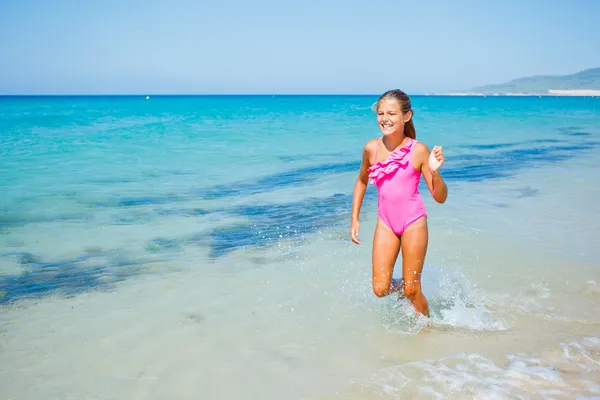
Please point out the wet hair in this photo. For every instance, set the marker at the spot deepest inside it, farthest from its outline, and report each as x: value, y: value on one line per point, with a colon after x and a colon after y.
x: 404, y: 101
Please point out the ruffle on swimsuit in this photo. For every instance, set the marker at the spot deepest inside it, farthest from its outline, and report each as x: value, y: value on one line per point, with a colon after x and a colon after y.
x: 382, y: 169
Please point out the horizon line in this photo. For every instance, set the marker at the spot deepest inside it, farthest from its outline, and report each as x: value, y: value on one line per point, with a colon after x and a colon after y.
x: 150, y: 95
x: 194, y: 94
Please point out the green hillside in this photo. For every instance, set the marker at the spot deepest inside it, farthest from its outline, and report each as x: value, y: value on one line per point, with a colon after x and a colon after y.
x: 588, y: 79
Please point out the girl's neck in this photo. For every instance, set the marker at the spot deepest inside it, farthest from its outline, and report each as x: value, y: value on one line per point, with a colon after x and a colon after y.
x: 392, y: 142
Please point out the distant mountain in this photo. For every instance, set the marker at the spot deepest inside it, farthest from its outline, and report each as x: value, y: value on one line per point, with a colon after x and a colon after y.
x: 587, y: 80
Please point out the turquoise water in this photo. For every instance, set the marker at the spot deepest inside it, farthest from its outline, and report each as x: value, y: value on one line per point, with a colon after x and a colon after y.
x: 104, y: 192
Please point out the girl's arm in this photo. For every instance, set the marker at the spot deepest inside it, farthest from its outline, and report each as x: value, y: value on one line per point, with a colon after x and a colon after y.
x: 430, y: 162
x: 360, y: 187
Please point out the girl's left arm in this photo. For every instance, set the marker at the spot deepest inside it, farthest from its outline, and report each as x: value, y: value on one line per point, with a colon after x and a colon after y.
x: 430, y: 164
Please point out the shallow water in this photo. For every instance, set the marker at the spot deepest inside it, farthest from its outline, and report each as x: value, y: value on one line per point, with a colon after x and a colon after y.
x: 197, y: 246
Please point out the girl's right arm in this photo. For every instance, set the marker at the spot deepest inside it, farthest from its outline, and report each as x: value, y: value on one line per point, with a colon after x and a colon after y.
x: 360, y: 188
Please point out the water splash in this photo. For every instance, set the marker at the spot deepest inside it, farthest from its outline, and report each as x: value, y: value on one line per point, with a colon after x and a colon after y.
x: 454, y: 304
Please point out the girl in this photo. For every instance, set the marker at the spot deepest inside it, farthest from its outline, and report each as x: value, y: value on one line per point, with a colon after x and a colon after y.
x: 395, y: 162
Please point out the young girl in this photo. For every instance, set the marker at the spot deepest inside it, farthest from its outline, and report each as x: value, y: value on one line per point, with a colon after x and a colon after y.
x: 395, y: 162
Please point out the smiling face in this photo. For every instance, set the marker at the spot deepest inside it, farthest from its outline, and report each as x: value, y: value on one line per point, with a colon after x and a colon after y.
x: 390, y: 117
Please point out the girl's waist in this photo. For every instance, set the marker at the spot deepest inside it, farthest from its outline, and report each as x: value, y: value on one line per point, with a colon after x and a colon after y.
x: 395, y: 197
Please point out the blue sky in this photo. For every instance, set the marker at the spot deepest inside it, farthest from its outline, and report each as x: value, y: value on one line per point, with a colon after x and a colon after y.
x: 260, y: 46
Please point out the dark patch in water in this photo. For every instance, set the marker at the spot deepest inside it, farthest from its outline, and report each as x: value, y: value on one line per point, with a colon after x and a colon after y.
x: 27, y: 258
x: 567, y: 129
x: 475, y: 172
x: 501, y: 205
x: 195, y: 318
x: 579, y: 134
x: 68, y: 278
x: 290, y: 158
x: 270, y: 223
x: 92, y: 250
x: 573, y: 131
x: 198, y: 239
x: 526, y: 192
x: 280, y: 180
x: 546, y: 141
x: 473, y: 167
x: 496, y: 146
x: 144, y: 201
x: 259, y: 260
x: 159, y: 244
x: 131, y: 218
x: 181, y: 212
x: 493, y: 146
x: 136, y: 201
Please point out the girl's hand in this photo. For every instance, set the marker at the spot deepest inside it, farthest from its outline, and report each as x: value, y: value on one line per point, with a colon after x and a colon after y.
x: 436, y: 158
x: 354, y: 230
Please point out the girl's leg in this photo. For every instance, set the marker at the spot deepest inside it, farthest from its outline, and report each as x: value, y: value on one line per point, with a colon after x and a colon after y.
x: 386, y: 246
x: 414, y: 248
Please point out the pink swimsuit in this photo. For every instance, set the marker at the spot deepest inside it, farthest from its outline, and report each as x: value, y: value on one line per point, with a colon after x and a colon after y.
x: 399, y: 201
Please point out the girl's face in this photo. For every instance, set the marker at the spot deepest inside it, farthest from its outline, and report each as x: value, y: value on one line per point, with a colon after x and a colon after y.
x: 390, y: 117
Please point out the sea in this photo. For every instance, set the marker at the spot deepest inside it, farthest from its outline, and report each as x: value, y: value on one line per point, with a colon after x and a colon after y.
x: 197, y: 247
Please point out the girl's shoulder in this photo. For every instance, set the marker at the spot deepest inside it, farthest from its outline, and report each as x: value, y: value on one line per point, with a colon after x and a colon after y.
x: 371, y: 147
x: 421, y: 148
x: 420, y: 154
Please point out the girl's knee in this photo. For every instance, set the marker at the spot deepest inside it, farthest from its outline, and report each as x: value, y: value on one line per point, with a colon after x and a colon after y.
x: 381, y: 289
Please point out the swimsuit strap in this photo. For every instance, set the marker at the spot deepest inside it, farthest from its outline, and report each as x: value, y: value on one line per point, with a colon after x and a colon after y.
x: 411, y: 143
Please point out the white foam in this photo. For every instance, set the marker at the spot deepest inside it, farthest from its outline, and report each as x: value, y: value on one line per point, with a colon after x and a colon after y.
x: 571, y: 370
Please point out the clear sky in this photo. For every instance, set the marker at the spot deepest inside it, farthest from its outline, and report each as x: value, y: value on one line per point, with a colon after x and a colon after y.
x: 302, y: 46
